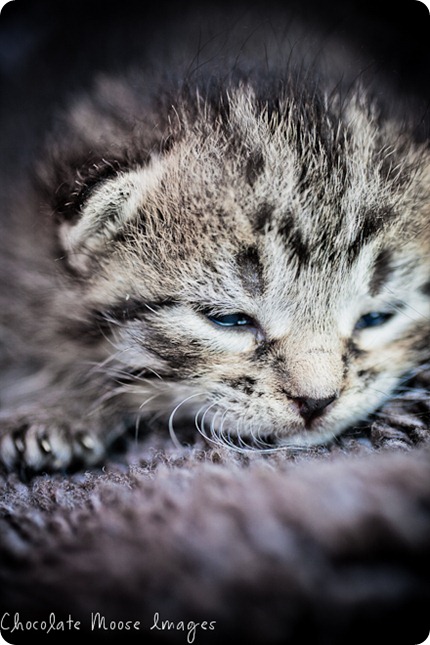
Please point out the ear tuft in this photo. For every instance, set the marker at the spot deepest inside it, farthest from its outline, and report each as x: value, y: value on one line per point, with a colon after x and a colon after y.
x: 109, y: 208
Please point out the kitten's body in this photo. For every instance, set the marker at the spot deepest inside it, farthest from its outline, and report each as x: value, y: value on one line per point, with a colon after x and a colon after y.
x: 230, y: 177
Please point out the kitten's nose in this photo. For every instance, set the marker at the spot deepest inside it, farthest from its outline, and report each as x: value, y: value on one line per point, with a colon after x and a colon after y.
x: 312, y: 408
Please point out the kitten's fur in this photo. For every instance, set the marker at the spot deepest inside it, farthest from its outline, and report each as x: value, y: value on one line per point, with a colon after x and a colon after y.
x: 231, y: 174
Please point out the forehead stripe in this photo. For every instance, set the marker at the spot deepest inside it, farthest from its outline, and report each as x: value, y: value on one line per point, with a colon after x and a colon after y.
x: 293, y: 239
x: 381, y: 271
x: 251, y: 269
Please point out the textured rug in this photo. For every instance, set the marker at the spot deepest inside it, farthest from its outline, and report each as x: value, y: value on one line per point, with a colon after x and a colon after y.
x: 200, y: 544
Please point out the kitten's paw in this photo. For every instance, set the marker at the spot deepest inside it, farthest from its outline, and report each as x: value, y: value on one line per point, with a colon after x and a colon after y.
x: 36, y: 446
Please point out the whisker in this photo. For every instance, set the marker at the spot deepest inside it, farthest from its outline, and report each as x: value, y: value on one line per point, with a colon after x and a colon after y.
x: 151, y: 398
x: 223, y: 420
x: 212, y: 435
x: 172, y: 433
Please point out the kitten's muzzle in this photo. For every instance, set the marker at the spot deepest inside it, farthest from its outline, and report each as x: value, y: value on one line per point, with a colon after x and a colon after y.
x: 309, y: 408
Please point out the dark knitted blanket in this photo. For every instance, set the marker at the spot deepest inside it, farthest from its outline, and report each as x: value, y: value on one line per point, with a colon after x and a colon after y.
x: 200, y: 544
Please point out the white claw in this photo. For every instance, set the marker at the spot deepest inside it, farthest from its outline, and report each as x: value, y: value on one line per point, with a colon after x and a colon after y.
x: 19, y: 445
x: 45, y: 445
x: 87, y: 441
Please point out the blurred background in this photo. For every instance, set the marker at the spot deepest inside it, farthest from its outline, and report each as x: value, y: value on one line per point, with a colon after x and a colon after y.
x: 48, y: 48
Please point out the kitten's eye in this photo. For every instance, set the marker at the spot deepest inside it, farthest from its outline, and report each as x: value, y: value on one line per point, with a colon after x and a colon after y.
x: 373, y: 319
x: 232, y: 320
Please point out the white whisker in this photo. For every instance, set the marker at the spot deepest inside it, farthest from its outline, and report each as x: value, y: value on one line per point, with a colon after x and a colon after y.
x: 151, y: 398
x: 172, y: 433
x: 212, y: 435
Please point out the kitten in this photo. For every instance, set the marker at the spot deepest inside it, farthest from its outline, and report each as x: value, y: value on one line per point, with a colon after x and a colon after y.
x: 228, y: 237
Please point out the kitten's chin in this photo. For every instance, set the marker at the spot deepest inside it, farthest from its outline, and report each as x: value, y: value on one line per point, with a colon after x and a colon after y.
x: 293, y: 436
x: 307, y: 439
x: 320, y: 433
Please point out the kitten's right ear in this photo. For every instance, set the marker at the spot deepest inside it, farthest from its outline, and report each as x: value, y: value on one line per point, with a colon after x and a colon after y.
x: 110, y: 206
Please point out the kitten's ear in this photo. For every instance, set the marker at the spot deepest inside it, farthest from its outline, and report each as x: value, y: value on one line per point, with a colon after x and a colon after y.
x: 115, y: 203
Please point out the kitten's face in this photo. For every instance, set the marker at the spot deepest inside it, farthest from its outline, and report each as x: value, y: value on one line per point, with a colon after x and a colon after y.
x: 267, y: 284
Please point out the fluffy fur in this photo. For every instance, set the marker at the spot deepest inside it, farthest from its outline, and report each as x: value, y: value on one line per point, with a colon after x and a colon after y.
x: 274, y: 476
x: 264, y: 188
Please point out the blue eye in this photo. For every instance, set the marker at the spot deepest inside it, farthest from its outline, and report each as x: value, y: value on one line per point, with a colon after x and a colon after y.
x: 232, y: 320
x: 373, y: 319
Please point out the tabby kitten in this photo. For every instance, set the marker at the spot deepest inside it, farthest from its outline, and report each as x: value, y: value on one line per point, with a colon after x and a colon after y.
x: 230, y: 238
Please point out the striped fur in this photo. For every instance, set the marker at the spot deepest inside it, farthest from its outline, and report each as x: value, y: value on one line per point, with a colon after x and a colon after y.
x: 266, y: 192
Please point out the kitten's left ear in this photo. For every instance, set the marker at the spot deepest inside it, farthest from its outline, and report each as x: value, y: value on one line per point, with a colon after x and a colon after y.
x: 111, y: 205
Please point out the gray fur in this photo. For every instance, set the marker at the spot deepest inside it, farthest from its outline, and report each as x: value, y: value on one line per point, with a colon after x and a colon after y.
x: 239, y: 165
x: 270, y: 190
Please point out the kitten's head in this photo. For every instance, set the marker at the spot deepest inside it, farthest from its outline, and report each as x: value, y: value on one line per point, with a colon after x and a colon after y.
x: 265, y: 272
